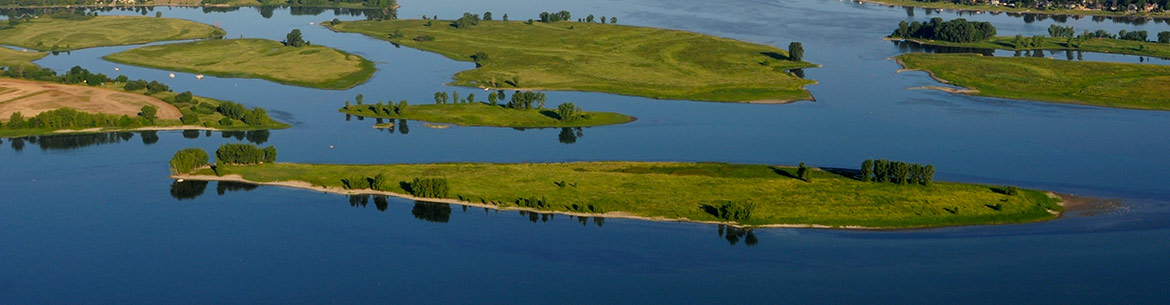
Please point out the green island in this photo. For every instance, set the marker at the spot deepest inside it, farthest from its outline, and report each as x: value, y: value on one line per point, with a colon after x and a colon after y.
x: 1037, y: 7
x: 37, y: 101
x: 1119, y: 85
x: 557, y: 54
x: 884, y: 195
x: 64, y: 32
x: 525, y: 110
x: 305, y: 65
x: 964, y: 34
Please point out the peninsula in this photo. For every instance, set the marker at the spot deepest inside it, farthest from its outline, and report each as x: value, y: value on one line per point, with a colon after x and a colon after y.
x: 592, y: 56
x: 525, y: 110
x: 300, y: 65
x: 64, y: 32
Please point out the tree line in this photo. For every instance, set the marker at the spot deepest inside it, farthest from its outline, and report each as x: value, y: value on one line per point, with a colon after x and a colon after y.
x: 896, y: 172
x: 70, y: 118
x: 244, y: 154
x: 420, y: 187
x: 956, y: 30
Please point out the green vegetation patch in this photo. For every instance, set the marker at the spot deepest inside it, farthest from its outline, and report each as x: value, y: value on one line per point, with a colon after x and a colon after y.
x: 11, y: 58
x: 739, y: 193
x: 481, y: 114
x: 1118, y: 85
x: 581, y: 56
x: 306, y: 66
x: 63, y: 34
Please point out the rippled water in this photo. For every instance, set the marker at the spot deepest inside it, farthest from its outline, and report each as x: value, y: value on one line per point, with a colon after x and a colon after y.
x: 94, y: 219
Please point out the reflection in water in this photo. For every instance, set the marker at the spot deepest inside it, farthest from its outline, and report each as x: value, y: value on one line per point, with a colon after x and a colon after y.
x: 149, y: 137
x: 359, y: 200
x: 74, y: 141
x: 905, y: 46
x: 734, y: 234
x: 187, y: 189
x: 227, y: 186
x: 253, y: 136
x: 191, y: 134
x: 570, y: 135
x: 431, y: 211
x: 381, y: 203
x: 598, y: 221
x: 17, y: 144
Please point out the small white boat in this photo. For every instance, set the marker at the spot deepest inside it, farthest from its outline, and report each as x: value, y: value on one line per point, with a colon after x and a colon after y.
x: 200, y: 76
x: 172, y: 75
x: 116, y: 69
x: 180, y: 180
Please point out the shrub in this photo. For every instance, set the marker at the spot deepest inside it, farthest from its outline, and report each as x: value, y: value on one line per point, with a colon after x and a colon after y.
x: 568, y: 112
x: 189, y: 117
x: 429, y: 187
x: 381, y: 182
x: 867, y: 170
x: 736, y: 211
x: 355, y: 183
x: 803, y: 172
x: 188, y: 159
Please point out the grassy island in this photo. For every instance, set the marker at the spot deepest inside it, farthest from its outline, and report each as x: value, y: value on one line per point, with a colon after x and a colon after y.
x: 49, y: 104
x: 981, y: 35
x: 739, y: 194
x: 72, y: 32
x: 1118, y: 85
x: 483, y: 114
x: 1100, y: 45
x: 610, y: 58
x: 306, y: 66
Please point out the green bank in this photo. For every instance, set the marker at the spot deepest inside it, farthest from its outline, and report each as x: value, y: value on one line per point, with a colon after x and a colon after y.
x: 1119, y: 85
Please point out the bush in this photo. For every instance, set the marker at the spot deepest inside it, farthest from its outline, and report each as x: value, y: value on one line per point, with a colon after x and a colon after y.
x: 736, y: 211
x: 188, y: 159
x: 568, y: 112
x: 803, y: 172
x: 355, y: 183
x: 189, y: 117
x: 429, y: 187
x: 1164, y: 37
x: 382, y: 183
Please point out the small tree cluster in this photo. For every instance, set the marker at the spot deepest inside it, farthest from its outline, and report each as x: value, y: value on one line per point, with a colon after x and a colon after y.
x: 896, y: 172
x: 1164, y: 37
x: 235, y: 111
x: 294, y: 39
x: 525, y: 99
x: 957, y: 30
x: 568, y: 112
x: 244, y: 154
x: 1057, y: 31
x: 188, y: 159
x: 1135, y: 35
x: 71, y: 118
x: 547, y: 17
x: 429, y: 187
x: 468, y: 20
x: 736, y: 211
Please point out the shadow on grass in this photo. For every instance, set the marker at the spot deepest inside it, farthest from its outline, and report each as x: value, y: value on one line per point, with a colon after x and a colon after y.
x: 710, y: 209
x: 844, y: 173
x: 784, y: 172
x: 774, y: 55
x: 551, y: 114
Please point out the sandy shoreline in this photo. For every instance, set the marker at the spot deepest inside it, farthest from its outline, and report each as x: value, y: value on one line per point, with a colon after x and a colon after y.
x: 106, y: 130
x: 619, y: 215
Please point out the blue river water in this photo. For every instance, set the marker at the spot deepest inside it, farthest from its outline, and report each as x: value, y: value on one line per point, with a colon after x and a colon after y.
x: 94, y: 219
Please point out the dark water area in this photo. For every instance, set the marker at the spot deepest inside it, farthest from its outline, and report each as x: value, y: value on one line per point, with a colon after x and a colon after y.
x: 94, y: 218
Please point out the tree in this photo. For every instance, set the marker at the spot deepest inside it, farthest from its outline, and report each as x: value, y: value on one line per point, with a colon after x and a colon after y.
x: 487, y: 16
x: 927, y: 174
x: 795, y: 51
x: 468, y: 20
x: 16, y: 120
x: 188, y: 159
x: 493, y: 98
x: 438, y: 98
x: 803, y: 172
x: 1164, y: 37
x: 401, y: 107
x: 470, y: 98
x: 359, y: 98
x: 294, y: 39
x: 270, y: 154
x: 568, y: 112
x: 589, y: 18
x: 149, y: 113
x: 612, y: 20
x: 867, y: 170
x: 505, y: 17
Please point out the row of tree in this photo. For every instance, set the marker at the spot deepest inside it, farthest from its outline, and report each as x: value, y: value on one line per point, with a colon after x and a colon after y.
x: 236, y: 111
x: 896, y: 172
x: 957, y: 30
x: 244, y: 154
x: 69, y: 118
